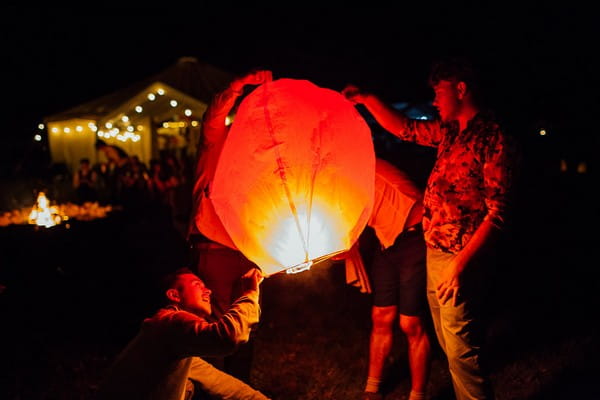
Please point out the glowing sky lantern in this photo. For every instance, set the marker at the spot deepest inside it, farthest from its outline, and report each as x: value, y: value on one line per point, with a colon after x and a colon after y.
x: 295, y: 179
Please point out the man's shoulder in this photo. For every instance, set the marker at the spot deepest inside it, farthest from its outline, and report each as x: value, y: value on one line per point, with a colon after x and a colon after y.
x: 171, y: 314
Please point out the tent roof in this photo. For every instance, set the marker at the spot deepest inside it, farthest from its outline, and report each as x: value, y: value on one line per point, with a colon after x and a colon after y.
x: 188, y: 75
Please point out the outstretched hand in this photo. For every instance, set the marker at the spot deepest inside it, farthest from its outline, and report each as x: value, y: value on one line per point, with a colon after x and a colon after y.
x: 354, y: 94
x: 257, y: 77
x: 252, y: 279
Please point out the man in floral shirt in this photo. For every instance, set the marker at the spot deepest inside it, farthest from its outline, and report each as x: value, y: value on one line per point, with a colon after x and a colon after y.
x: 465, y: 203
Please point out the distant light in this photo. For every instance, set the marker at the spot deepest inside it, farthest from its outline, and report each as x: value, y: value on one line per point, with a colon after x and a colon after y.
x: 195, y: 123
x: 55, y: 130
x: 173, y: 103
x: 125, y: 118
x: 79, y: 128
x: 40, y: 126
x: 187, y: 112
x: 108, y: 125
x: 400, y: 105
x: 151, y: 96
x: 130, y: 128
x: 160, y: 91
x: 582, y: 167
x: 563, y: 166
x: 67, y: 130
x: 543, y: 132
x: 174, y: 124
x: 228, y: 120
x: 37, y: 137
x: 139, y: 109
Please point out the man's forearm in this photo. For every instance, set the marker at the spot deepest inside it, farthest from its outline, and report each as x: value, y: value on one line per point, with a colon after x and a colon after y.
x: 390, y: 119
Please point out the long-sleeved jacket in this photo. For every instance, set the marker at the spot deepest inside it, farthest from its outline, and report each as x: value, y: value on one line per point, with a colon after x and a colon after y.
x: 166, y: 352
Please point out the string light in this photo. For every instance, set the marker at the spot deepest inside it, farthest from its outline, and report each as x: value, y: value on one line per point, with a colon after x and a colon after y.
x: 122, y: 128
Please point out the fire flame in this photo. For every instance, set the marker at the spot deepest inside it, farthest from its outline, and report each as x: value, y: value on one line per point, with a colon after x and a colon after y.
x: 42, y: 214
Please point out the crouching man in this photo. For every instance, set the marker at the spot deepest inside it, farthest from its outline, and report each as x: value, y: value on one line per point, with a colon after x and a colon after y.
x: 165, y: 355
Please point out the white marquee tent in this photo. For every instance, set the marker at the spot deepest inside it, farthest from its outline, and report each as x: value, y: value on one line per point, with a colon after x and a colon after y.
x: 158, y: 113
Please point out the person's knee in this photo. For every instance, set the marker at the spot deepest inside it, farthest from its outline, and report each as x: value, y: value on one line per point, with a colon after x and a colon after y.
x: 383, y: 318
x: 412, y: 326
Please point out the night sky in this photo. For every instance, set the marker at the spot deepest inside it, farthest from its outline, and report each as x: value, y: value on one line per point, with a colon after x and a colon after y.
x: 541, y: 62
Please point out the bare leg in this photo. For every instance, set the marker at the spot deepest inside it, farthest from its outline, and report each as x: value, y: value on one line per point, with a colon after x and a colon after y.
x: 419, y: 352
x: 380, y: 343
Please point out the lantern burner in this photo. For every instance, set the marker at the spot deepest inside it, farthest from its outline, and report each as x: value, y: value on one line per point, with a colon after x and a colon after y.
x: 305, y: 266
x: 299, y: 268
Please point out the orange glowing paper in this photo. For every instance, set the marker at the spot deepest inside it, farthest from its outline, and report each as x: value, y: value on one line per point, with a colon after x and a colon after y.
x: 295, y: 178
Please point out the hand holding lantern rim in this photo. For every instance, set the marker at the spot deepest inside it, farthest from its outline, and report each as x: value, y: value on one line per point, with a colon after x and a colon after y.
x: 354, y: 94
x: 252, y: 279
x: 257, y: 77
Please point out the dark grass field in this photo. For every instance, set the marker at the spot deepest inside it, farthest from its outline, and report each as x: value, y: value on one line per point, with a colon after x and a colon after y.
x: 71, y: 299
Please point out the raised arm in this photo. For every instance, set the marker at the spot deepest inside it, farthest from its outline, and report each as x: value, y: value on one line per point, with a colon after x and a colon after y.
x: 213, y: 125
x: 426, y: 133
x: 214, y: 133
x: 196, y: 336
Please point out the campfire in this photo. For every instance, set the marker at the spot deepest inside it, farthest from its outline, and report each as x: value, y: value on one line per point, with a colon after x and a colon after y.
x: 43, y: 213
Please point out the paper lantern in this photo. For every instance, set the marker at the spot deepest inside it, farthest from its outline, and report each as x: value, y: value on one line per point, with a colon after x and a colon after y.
x: 295, y: 180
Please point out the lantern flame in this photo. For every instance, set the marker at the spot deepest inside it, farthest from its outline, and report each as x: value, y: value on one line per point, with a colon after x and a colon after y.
x: 302, y: 238
x: 42, y: 214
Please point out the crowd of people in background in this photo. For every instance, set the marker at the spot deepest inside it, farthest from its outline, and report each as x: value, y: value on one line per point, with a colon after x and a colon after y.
x: 125, y: 181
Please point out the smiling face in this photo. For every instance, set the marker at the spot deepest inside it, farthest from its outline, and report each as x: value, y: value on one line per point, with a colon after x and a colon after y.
x: 191, y: 294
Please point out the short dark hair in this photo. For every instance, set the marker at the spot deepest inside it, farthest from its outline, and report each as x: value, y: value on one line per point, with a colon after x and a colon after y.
x: 168, y: 281
x: 456, y: 68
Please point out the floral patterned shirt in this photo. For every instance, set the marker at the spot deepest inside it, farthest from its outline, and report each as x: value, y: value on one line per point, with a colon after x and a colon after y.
x: 469, y: 182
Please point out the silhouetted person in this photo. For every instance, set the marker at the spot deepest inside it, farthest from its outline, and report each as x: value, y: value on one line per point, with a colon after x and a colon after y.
x: 85, y: 182
x: 118, y: 164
